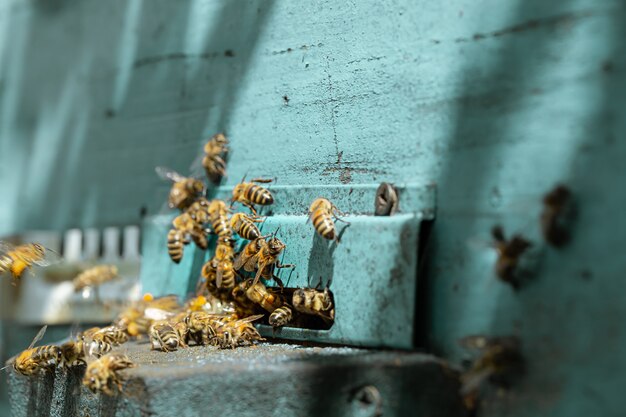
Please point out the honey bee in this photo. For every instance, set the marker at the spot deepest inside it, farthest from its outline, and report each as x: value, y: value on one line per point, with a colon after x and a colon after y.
x: 73, y: 353
x: 200, y: 327
x: 244, y: 225
x: 243, y: 305
x: 266, y: 299
x: 103, y: 375
x: 558, y: 215
x: 17, y: 259
x: 247, y: 257
x: 98, y: 341
x: 189, y: 227
x: 238, y: 333
x: 167, y: 336
x: 36, y: 359
x: 136, y: 319
x: 509, y: 253
x: 213, y: 161
x: 218, y: 216
x: 223, y: 261
x: 500, y: 362
x: 184, y: 190
x: 314, y: 302
x: 176, y: 240
x: 281, y: 316
x: 267, y: 259
x: 249, y: 193
x: 321, y: 213
x: 199, y: 211
x: 95, y: 276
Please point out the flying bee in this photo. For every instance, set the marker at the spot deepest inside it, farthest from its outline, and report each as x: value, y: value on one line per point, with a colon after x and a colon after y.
x: 244, y: 225
x: 249, y: 193
x: 176, y: 240
x: 247, y: 257
x: 267, y: 259
x: 167, y: 336
x: 321, y: 213
x: 314, y: 302
x: 17, y: 259
x: 499, y: 362
x: 509, y: 253
x: 103, y: 375
x: 266, y: 299
x: 136, y: 319
x: 218, y: 216
x: 214, y: 153
x: 36, y: 359
x: 199, y: 211
x: 95, y: 276
x: 238, y: 333
x: 281, y: 316
x: 200, y: 327
x: 184, y: 190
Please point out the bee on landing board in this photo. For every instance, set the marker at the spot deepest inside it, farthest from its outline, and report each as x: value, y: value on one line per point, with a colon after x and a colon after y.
x: 238, y: 333
x: 184, y: 191
x: 249, y: 193
x: 314, y: 302
x: 18, y: 259
x: 103, y: 375
x: 321, y: 213
x: 244, y: 226
x: 167, y: 336
x: 281, y: 316
x: 34, y: 360
x: 214, y: 162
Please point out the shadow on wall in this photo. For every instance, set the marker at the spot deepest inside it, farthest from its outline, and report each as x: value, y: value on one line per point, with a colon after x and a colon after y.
x: 541, y: 109
x: 83, y: 81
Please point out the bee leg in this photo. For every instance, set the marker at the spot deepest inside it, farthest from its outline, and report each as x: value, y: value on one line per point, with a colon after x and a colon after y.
x: 252, y: 209
x: 279, y: 265
x: 279, y: 282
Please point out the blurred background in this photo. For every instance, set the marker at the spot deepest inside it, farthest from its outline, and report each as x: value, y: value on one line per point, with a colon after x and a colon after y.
x: 495, y: 102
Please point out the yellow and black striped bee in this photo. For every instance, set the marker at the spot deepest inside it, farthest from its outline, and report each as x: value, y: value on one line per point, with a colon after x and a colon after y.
x: 246, y: 259
x: 213, y: 162
x: 218, y: 216
x: 263, y: 297
x: 321, y: 213
x: 186, y: 224
x: 267, y: 259
x: 37, y: 359
x: 314, y: 302
x: 238, y: 333
x: 103, y: 375
x: 184, y: 191
x: 200, y: 328
x: 73, y: 353
x: 167, y: 336
x: 199, y: 211
x: 244, y: 226
x: 249, y: 193
x: 95, y: 276
x: 176, y: 240
x: 17, y: 259
x: 98, y: 341
x: 281, y: 316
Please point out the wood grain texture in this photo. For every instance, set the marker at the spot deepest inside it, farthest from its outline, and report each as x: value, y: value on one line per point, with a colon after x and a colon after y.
x: 493, y: 101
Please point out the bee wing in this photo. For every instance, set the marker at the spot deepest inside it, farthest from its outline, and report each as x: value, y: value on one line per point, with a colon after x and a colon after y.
x: 259, y: 272
x: 240, y: 260
x: 472, y: 380
x: 251, y: 263
x: 167, y: 302
x: 250, y: 319
x: 196, y: 167
x: 219, y: 275
x: 38, y: 337
x: 50, y: 258
x: 6, y: 246
x: 168, y: 174
x: 157, y: 314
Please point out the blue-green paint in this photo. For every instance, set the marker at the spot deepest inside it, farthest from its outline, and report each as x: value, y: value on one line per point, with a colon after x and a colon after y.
x: 494, y: 101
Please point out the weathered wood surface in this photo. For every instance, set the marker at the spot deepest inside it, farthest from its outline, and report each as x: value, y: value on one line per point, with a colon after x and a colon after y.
x: 493, y: 101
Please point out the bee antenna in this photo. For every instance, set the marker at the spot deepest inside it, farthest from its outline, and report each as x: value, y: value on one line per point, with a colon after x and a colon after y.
x: 276, y: 231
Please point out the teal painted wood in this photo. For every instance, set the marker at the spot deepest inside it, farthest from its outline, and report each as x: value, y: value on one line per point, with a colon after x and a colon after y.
x: 372, y: 272
x: 493, y: 101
